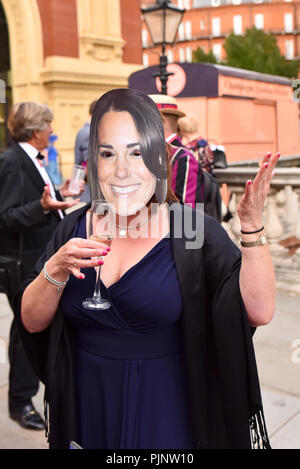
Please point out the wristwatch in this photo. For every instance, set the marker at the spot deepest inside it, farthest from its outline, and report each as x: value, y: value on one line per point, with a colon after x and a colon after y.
x: 259, y: 242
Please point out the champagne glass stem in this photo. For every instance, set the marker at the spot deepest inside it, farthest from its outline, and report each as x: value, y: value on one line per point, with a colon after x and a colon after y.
x: 97, y: 293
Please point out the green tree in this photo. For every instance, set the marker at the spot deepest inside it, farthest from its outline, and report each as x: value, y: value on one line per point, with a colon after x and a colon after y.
x: 200, y: 56
x: 258, y: 51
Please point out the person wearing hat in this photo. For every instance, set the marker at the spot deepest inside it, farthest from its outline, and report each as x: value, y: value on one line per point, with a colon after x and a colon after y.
x: 189, y: 182
x: 170, y: 113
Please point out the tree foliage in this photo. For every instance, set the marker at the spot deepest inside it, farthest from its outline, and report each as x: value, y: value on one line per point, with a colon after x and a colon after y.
x: 258, y: 51
x: 200, y: 56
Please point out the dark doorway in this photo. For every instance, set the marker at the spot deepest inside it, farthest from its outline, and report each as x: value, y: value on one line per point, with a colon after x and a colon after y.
x: 6, y: 76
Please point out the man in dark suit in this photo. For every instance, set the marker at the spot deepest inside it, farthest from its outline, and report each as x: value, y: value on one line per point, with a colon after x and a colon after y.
x: 29, y: 207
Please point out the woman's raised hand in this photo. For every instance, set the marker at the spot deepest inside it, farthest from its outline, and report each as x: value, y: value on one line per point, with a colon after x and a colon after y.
x: 74, y: 255
x: 251, y: 205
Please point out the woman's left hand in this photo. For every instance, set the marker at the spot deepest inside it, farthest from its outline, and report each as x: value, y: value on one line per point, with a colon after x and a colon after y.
x: 252, y: 202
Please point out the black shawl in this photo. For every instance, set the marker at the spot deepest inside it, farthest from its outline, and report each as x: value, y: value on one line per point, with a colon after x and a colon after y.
x: 222, y: 379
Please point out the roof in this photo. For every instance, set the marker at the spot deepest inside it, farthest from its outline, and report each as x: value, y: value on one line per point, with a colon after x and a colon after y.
x: 201, y: 79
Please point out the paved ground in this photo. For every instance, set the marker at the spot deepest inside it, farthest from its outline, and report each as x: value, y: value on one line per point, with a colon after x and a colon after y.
x: 278, y: 355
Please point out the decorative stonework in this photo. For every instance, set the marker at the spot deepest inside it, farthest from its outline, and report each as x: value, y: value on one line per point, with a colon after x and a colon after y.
x: 67, y: 84
x: 25, y: 37
x: 102, y: 50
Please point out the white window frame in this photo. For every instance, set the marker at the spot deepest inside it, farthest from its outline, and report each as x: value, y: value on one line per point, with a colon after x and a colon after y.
x: 188, y: 29
x: 216, y: 26
x: 215, y: 3
x: 236, y: 2
x: 289, y: 49
x: 259, y: 21
x: 288, y: 22
x: 202, y: 25
x: 181, y: 54
x: 144, y: 37
x: 145, y: 60
x: 170, y: 56
x: 188, y: 54
x: 238, y: 24
x: 217, y: 51
x: 181, y: 32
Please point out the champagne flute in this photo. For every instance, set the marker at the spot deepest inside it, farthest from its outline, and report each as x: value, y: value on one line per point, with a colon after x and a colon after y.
x: 99, y: 230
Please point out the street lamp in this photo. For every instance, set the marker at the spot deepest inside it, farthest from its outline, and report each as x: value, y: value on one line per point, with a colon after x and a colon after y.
x: 162, y: 21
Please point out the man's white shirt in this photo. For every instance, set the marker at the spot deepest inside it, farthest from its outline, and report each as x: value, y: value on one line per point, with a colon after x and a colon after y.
x: 32, y: 152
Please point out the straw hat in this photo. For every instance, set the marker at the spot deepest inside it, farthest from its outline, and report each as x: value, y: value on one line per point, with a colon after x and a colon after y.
x: 166, y: 104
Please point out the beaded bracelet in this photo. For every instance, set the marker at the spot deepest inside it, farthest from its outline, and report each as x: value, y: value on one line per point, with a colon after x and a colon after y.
x: 52, y: 280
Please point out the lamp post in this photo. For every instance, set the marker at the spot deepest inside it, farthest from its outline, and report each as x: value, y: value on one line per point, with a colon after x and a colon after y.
x: 162, y: 20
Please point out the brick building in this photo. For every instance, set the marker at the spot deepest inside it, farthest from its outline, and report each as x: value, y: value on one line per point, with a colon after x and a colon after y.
x: 207, y: 23
x: 66, y: 53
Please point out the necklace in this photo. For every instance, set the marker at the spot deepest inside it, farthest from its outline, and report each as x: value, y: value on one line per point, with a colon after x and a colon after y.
x: 123, y: 229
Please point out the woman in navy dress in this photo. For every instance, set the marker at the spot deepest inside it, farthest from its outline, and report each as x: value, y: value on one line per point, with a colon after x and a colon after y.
x: 130, y: 372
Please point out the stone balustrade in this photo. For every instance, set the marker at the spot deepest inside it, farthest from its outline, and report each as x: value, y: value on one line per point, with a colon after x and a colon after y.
x: 281, y: 216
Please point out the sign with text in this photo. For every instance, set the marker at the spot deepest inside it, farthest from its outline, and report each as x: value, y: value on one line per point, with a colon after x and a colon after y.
x: 234, y: 86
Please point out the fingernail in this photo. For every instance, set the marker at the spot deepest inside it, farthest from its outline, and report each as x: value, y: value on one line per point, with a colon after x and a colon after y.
x: 82, y: 276
x: 266, y: 165
x: 104, y: 253
x: 100, y: 262
x: 269, y: 155
x: 108, y: 248
x: 249, y: 183
x: 278, y: 155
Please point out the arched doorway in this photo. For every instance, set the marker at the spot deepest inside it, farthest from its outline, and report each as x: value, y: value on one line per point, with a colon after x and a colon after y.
x: 6, y: 76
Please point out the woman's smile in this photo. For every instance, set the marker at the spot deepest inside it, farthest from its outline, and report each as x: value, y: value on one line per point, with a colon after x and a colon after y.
x: 125, y: 191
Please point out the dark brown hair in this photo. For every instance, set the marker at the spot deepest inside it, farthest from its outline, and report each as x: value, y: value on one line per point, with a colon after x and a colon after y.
x: 148, y: 122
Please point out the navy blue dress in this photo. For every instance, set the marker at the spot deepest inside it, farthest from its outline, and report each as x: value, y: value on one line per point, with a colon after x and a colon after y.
x: 130, y: 380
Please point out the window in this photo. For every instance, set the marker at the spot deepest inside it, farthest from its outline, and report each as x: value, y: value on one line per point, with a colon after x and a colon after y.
x: 181, y: 31
x: 144, y: 38
x: 288, y: 22
x: 258, y: 1
x: 202, y: 25
x: 237, y: 24
x: 188, y: 30
x: 217, y: 51
x: 181, y: 54
x: 259, y: 21
x: 289, y: 49
x: 145, y: 60
x: 215, y: 3
x: 236, y: 2
x: 216, y: 26
x: 188, y: 54
x: 170, y: 56
x: 184, y: 4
